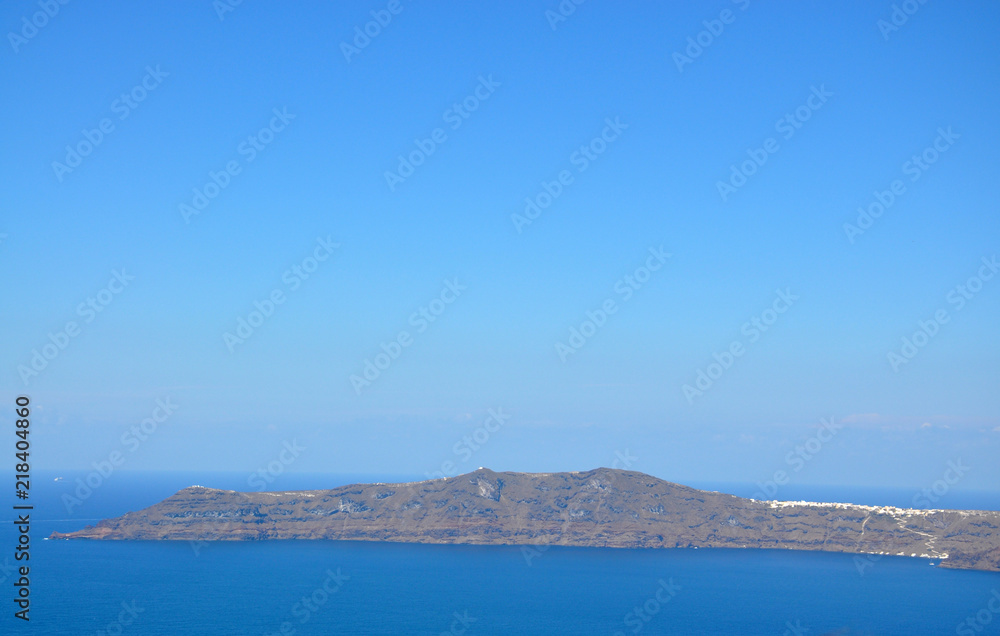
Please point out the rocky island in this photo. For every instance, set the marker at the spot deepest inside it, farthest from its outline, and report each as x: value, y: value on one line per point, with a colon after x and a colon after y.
x: 602, y: 508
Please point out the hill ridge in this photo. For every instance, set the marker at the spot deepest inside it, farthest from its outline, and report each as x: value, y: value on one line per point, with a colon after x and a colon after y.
x: 603, y: 507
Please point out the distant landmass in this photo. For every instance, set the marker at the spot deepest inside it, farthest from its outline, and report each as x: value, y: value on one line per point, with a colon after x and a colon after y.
x: 601, y: 508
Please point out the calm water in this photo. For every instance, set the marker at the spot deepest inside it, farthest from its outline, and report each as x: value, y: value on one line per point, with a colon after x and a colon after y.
x: 255, y: 588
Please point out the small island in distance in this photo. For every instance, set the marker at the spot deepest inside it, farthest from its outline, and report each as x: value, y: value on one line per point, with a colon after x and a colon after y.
x: 597, y: 508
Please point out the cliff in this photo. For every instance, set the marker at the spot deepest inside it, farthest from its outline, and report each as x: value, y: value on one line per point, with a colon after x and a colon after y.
x: 602, y: 507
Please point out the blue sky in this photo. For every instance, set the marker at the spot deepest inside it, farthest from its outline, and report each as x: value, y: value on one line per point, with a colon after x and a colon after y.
x: 212, y: 83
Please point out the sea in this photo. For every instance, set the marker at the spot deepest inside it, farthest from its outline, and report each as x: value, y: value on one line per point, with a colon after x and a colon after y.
x: 282, y: 588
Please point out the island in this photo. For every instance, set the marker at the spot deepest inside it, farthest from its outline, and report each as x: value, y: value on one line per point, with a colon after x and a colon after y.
x: 602, y: 508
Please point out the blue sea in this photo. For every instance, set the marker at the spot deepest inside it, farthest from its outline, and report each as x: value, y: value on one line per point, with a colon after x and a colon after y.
x: 339, y: 587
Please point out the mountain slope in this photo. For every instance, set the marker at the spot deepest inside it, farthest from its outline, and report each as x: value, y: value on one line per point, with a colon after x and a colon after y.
x: 602, y: 507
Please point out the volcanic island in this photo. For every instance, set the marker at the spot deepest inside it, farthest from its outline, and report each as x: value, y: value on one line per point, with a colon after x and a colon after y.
x: 604, y: 507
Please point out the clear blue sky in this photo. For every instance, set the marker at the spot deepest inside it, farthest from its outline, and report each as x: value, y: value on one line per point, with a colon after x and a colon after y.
x: 548, y: 91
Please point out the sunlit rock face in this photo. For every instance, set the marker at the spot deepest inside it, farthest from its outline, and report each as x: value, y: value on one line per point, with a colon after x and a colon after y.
x: 602, y: 507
